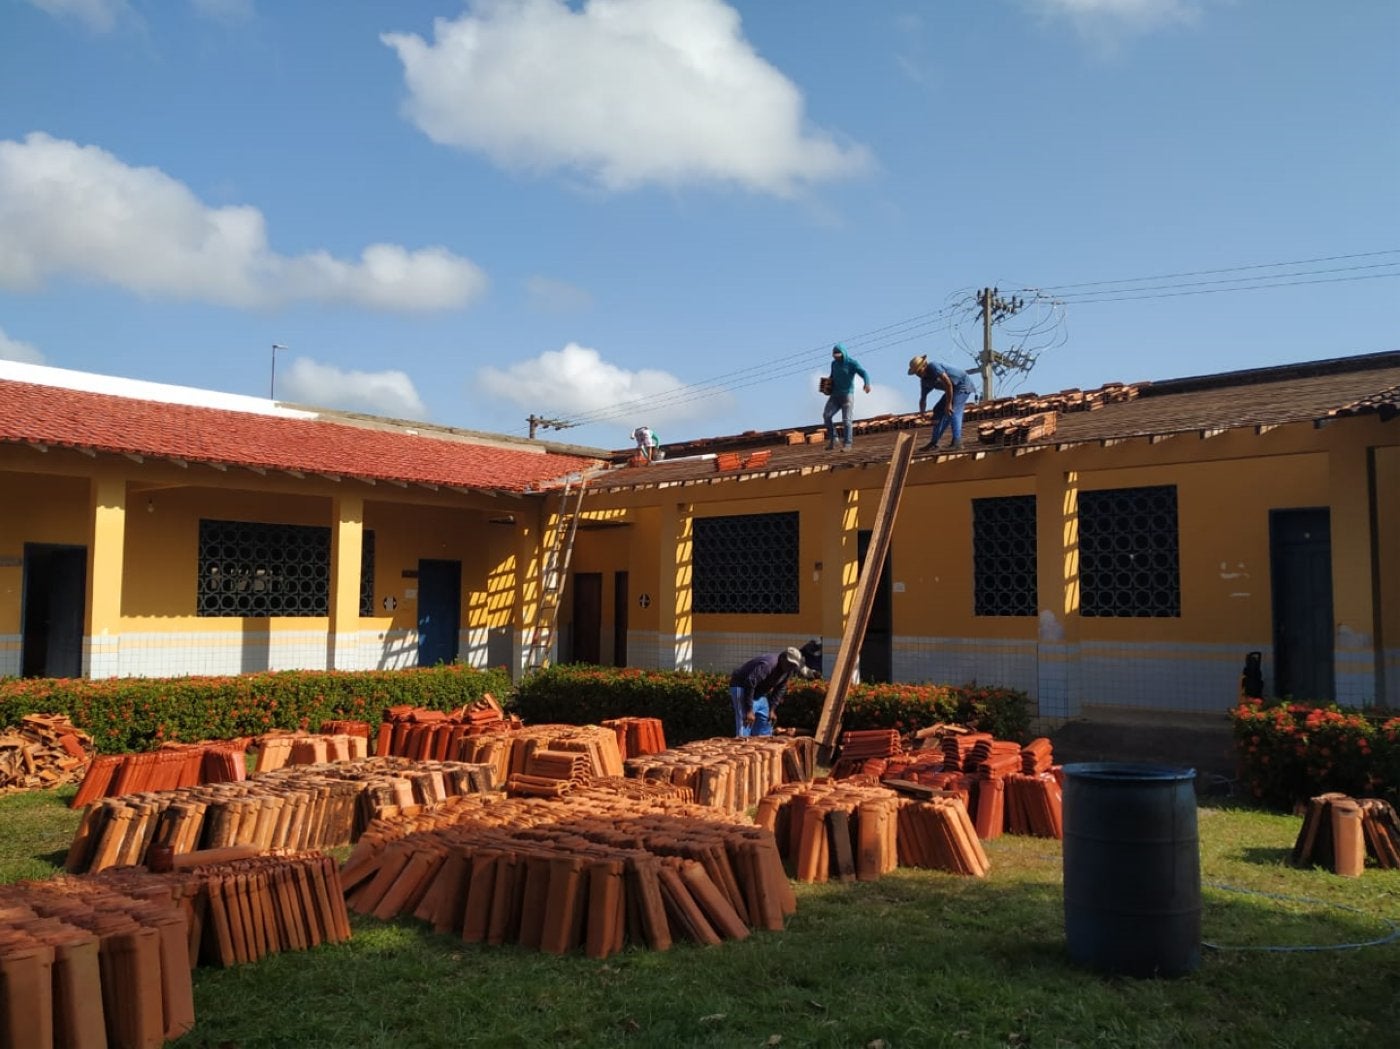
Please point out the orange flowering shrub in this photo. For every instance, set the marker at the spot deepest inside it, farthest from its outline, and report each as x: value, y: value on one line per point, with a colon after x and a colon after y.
x: 1289, y: 752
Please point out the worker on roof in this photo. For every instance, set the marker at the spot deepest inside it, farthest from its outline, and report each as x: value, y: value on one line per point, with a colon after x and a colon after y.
x: 840, y: 394
x: 956, y: 388
x: 648, y: 443
x: 757, y: 688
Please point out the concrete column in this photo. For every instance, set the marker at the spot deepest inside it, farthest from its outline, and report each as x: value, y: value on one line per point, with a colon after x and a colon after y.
x: 347, y: 547
x: 1057, y: 582
x: 1353, y: 576
x: 675, y: 612
x: 102, y: 645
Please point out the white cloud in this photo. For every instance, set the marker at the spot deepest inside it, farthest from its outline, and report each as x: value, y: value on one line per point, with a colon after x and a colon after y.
x: 576, y: 381
x: 100, y: 16
x: 14, y: 350
x: 387, y: 393
x: 624, y: 92
x: 78, y: 211
x: 1105, y: 21
x: 557, y: 296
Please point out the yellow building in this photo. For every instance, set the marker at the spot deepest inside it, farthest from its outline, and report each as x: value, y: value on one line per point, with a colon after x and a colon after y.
x: 1127, y: 546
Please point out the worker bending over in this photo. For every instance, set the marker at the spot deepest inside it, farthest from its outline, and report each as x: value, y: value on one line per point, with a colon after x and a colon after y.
x: 758, y: 687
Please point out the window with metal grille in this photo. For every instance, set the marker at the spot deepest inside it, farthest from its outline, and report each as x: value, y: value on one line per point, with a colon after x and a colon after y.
x: 745, y: 563
x: 251, y: 569
x: 1003, y: 556
x: 1128, y: 552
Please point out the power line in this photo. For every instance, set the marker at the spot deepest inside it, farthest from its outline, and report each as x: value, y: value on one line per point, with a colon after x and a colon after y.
x: 923, y: 325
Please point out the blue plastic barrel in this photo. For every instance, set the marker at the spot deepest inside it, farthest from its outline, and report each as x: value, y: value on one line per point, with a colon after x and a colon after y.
x: 1132, y: 868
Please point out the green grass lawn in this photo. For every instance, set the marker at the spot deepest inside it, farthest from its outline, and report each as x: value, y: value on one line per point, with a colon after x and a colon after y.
x: 916, y: 959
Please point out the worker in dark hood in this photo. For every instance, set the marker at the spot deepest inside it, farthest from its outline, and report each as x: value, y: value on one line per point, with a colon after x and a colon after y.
x: 841, y: 395
x: 758, y: 687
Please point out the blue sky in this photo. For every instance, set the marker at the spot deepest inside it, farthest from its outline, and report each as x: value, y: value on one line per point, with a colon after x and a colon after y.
x: 665, y: 211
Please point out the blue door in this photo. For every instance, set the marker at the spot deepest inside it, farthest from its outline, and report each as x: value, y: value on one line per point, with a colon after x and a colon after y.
x: 439, y: 611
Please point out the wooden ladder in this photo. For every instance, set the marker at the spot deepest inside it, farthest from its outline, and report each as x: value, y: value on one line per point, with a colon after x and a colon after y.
x: 834, y: 706
x: 554, y: 574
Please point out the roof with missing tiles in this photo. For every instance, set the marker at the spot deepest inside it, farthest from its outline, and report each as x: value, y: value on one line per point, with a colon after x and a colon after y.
x: 294, y: 441
x: 1314, y: 392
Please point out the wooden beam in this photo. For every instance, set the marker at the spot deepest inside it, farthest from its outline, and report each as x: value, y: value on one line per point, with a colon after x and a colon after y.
x: 834, y: 706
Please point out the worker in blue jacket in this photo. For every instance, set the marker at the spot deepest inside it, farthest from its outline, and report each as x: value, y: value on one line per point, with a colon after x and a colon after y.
x: 841, y: 394
x: 955, y: 387
x: 757, y: 688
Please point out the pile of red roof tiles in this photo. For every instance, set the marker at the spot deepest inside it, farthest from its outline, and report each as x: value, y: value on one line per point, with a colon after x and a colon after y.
x: 595, y: 872
x: 173, y: 765
x: 859, y: 831
x: 1022, y: 429
x: 1339, y: 831
x: 1005, y: 787
x: 730, y: 773
x: 638, y: 736
x: 86, y: 964
x: 44, y: 750
x: 297, y: 807
x: 509, y: 750
x: 301, y: 748
x: 414, y: 732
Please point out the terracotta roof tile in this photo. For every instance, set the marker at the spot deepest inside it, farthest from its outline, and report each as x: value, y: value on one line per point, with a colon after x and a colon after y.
x: 54, y: 415
x: 1309, y: 393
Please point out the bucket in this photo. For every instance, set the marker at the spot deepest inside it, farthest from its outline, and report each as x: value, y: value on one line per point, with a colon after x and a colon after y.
x: 1132, y: 868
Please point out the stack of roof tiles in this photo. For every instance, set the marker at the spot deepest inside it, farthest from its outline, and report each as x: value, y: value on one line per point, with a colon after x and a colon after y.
x: 594, y: 871
x: 729, y: 772
x: 865, y: 752
x: 298, y: 807
x: 856, y: 831
x: 1339, y: 831
x: 509, y: 749
x: 300, y: 748
x: 1021, y: 429
x: 638, y: 736
x: 243, y: 908
x: 173, y: 765
x: 84, y: 964
x: 415, y: 732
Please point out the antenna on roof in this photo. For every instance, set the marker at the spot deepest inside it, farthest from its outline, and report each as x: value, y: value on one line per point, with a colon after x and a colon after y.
x: 272, y: 380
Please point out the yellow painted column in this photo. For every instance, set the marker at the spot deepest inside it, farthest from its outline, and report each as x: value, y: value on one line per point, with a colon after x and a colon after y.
x: 347, y: 546
x: 675, y: 611
x: 102, y: 655
x: 1386, y: 482
x: 1353, y: 582
x: 1057, y: 583
x: 840, y: 545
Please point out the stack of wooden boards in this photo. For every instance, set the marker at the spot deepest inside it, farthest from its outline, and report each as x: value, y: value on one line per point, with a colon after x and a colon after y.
x: 596, y: 870
x: 43, y: 750
x: 730, y: 773
x: 87, y: 964
x: 173, y: 765
x: 298, y: 807
x: 848, y: 831
x: 1339, y: 831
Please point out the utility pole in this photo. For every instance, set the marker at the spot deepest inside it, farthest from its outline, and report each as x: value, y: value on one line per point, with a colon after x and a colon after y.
x: 994, y: 309
x: 537, y: 421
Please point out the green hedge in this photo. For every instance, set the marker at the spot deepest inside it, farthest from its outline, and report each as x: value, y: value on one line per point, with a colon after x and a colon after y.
x: 1289, y: 752
x: 127, y: 714
x: 696, y: 705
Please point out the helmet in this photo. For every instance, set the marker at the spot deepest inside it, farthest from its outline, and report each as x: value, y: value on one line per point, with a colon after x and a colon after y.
x: 916, y: 364
x: 793, y: 656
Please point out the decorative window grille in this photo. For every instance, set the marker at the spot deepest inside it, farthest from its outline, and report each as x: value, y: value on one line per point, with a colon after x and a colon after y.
x: 745, y: 564
x: 1003, y: 556
x: 248, y: 569
x: 1128, y: 552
